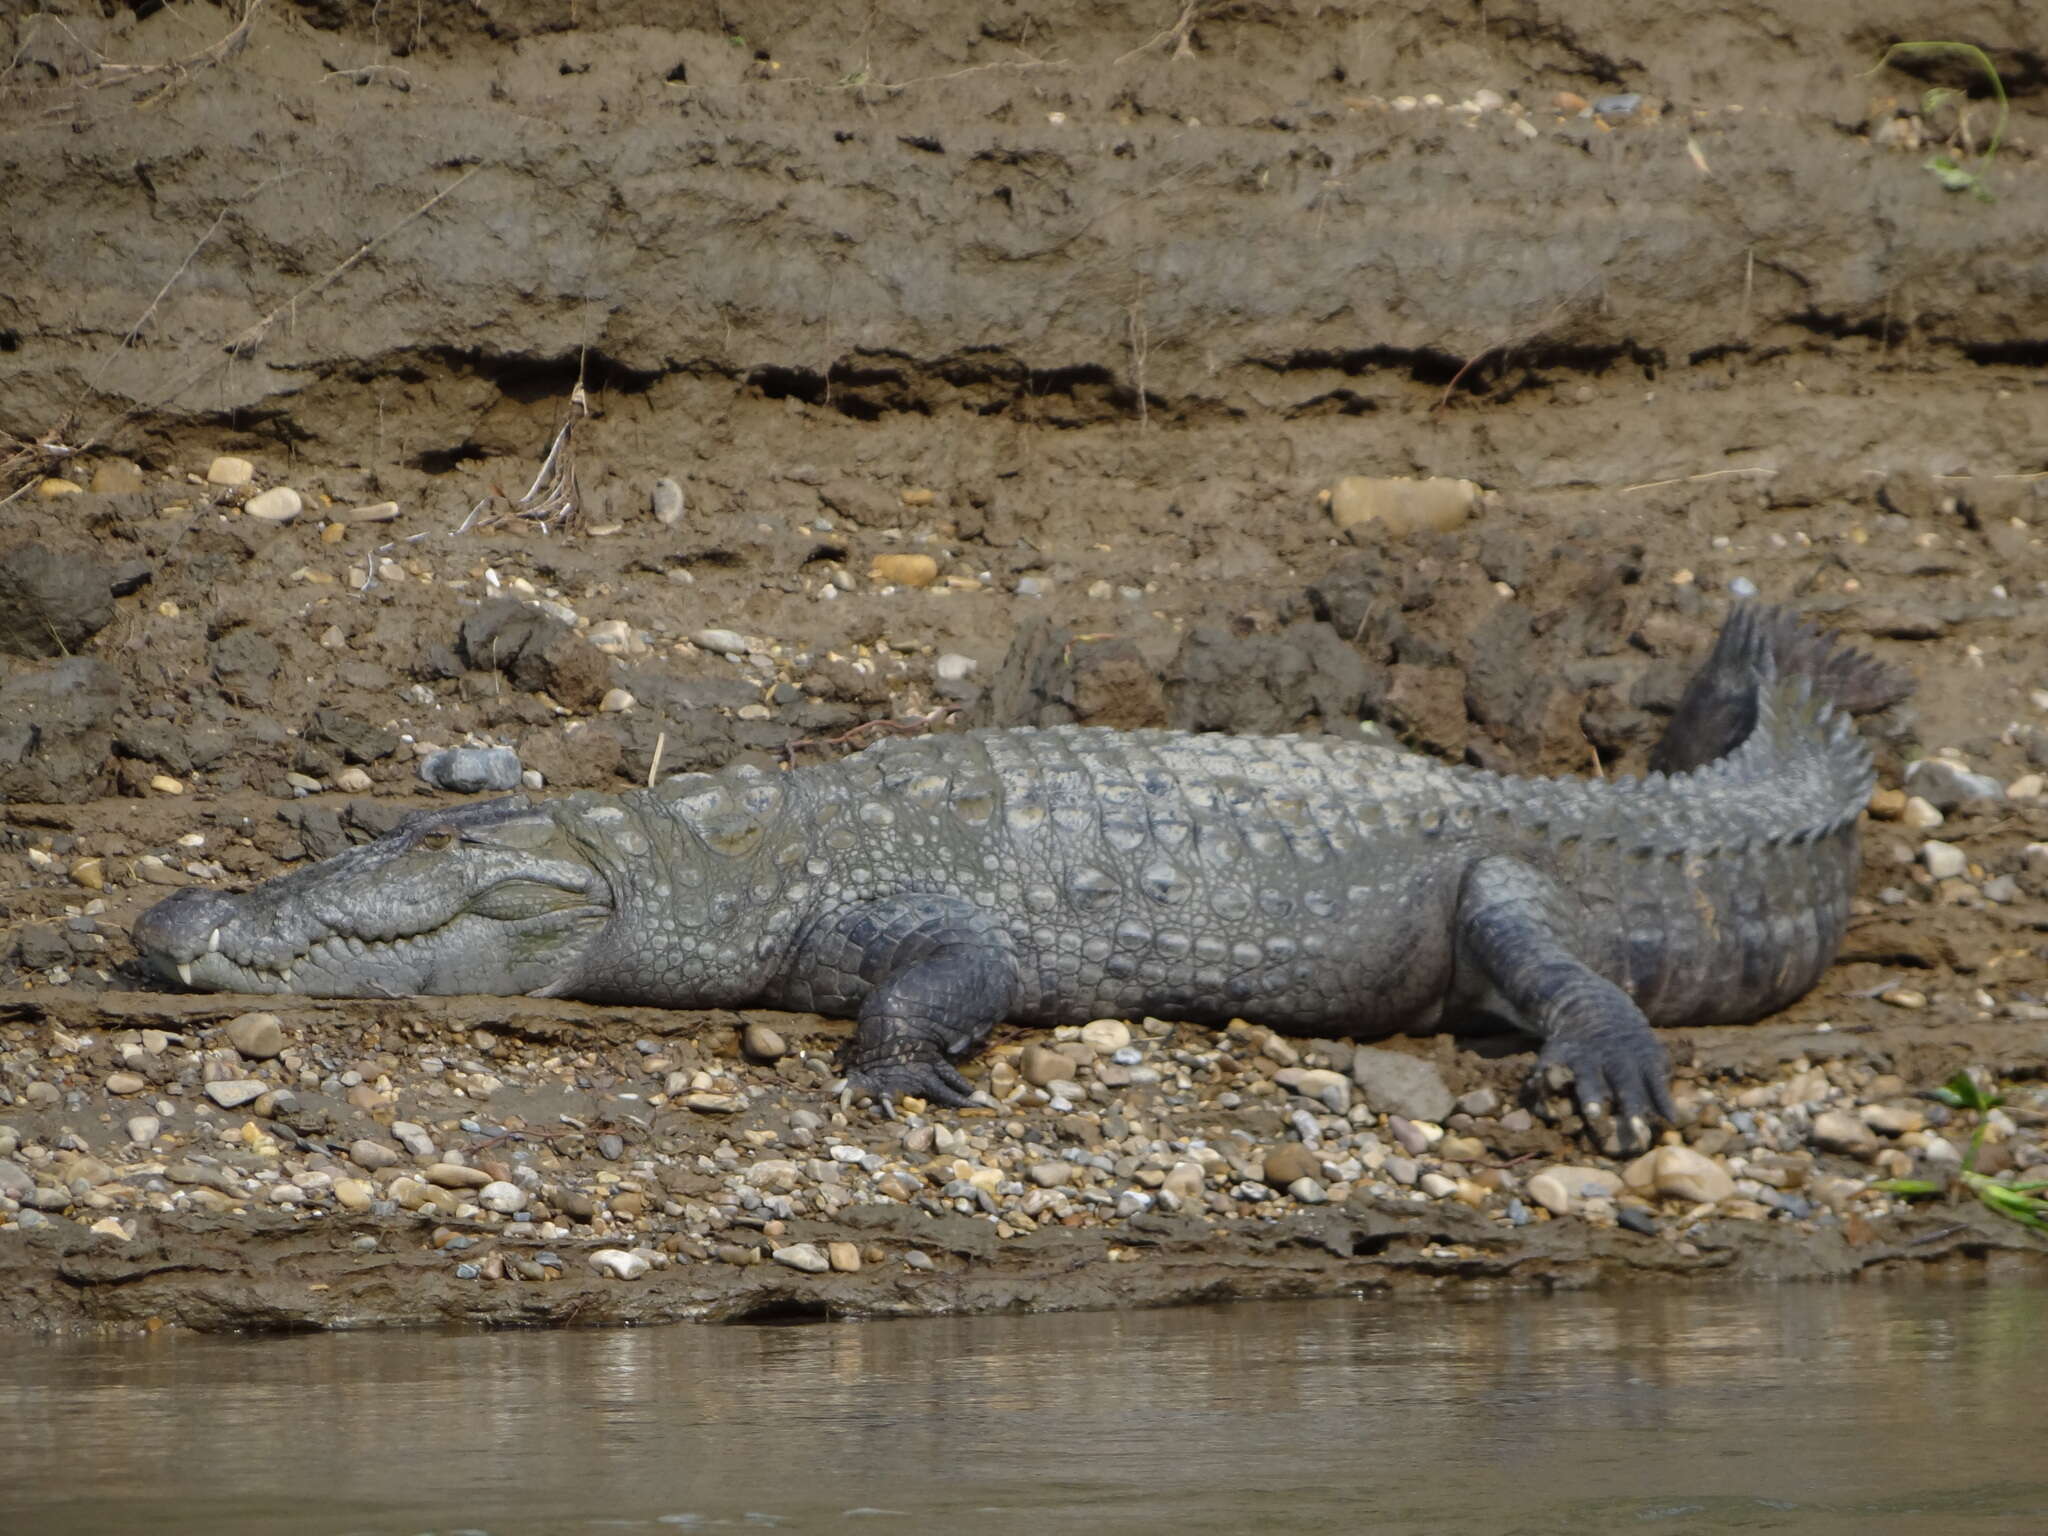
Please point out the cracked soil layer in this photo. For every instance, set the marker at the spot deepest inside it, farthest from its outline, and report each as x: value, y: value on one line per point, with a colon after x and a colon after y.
x: 1121, y: 298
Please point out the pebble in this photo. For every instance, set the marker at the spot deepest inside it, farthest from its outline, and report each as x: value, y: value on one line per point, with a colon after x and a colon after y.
x: 1392, y: 1083
x: 144, y: 1129
x: 372, y: 1155
x: 164, y: 784
x: 903, y: 570
x: 804, y: 1257
x: 90, y: 873
x: 2028, y: 786
x: 1893, y: 1120
x: 352, y: 781
x: 1920, y: 814
x: 1105, y: 1036
x: 502, y: 1196
x: 1401, y: 505
x: 373, y: 512
x: 230, y: 471
x: 279, y: 504
x: 1947, y: 785
x: 56, y: 485
x: 126, y: 1082
x: 471, y: 770
x: 257, y: 1036
x: 616, y: 701
x: 845, y: 1258
x: 619, y: 1263
x: 1184, y: 1181
x: 952, y: 667
x: 1311, y: 1192
x: 236, y: 1092
x: 1288, y: 1162
x: 1041, y: 1066
x: 669, y: 502
x: 1681, y: 1173
x: 354, y: 1194
x: 614, y: 636
x: 762, y: 1044
x: 1051, y: 1175
x: 1944, y: 861
x: 1636, y: 1219
x: 1836, y: 1130
x: 456, y: 1176
x: 722, y: 642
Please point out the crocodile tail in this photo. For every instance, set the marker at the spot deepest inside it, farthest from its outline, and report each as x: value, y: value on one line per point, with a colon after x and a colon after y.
x: 1760, y: 646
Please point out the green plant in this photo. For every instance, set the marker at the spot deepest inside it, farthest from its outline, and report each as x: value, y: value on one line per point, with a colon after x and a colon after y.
x: 2022, y: 1203
x: 1950, y: 172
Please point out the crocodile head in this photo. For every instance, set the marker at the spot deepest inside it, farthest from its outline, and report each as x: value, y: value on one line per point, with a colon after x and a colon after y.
x: 496, y: 898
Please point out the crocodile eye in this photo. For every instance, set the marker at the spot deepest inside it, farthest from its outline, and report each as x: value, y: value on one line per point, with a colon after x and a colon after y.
x: 439, y: 840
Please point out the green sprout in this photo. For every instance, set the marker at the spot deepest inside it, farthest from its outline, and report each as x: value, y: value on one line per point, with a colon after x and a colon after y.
x: 1953, y: 175
x: 2023, y: 1203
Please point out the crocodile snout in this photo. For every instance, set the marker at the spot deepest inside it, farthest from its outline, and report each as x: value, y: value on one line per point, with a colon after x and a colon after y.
x: 181, y: 928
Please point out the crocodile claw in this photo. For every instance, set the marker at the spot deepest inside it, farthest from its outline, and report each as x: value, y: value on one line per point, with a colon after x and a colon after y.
x: 1620, y: 1081
x: 936, y: 1082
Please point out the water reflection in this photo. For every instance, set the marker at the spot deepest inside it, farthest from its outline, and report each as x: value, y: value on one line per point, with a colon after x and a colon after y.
x: 1792, y: 1408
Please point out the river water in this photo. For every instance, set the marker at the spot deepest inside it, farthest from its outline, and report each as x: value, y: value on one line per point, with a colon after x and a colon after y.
x: 1804, y: 1409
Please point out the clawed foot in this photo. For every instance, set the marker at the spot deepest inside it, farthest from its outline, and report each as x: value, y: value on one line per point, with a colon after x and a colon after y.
x: 1618, y: 1081
x: 936, y: 1082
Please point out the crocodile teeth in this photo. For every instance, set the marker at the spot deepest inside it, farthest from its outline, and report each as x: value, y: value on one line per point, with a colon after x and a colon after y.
x: 213, y: 942
x: 185, y: 972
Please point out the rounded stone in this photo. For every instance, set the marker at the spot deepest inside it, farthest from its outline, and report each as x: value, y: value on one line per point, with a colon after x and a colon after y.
x: 1680, y: 1173
x: 804, y: 1257
x: 1944, y: 861
x: 279, y: 504
x: 230, y: 471
x: 455, y: 1176
x: 373, y: 1155
x: 669, y: 502
x: 236, y: 1092
x: 257, y: 1036
x: 619, y: 1263
x: 471, y: 770
x: 762, y: 1044
x: 1290, y: 1161
x: 502, y: 1196
x: 844, y: 1257
x: 1401, y: 505
x: 1105, y: 1036
x: 1041, y: 1066
x: 904, y: 570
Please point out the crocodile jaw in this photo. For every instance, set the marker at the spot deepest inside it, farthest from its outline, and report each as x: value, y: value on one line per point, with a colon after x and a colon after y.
x: 487, y: 899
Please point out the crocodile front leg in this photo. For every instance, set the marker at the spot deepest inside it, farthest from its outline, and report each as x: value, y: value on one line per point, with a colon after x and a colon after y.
x: 929, y: 976
x: 1512, y: 922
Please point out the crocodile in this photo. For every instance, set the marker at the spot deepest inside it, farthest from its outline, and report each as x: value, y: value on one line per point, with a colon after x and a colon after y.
x: 933, y: 887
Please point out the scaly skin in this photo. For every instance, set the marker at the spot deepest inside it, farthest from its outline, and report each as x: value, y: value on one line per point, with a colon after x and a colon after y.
x: 933, y: 887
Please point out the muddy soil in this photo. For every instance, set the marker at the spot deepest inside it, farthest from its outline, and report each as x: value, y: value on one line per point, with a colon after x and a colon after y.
x: 1085, y: 305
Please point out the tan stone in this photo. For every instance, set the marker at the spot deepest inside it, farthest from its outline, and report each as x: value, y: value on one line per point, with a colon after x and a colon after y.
x: 1401, y: 505
x: 904, y: 570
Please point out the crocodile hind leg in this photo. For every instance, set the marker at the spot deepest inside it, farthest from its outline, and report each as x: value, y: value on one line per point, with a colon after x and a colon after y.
x: 1513, y: 925
x: 930, y: 976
